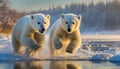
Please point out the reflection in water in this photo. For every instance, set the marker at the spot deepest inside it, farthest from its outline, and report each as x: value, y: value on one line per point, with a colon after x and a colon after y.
x: 28, y: 65
x: 73, y: 66
x: 64, y: 65
x: 117, y: 64
x: 59, y: 65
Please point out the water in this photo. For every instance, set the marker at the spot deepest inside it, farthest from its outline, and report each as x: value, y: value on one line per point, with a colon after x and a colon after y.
x: 58, y: 65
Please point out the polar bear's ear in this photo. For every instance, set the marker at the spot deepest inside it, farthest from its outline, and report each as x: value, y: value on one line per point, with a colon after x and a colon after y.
x: 48, y: 16
x: 62, y: 15
x: 32, y: 17
x: 79, y: 17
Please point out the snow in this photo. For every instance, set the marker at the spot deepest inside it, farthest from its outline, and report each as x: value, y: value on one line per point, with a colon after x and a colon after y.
x: 94, y: 50
x: 106, y: 37
x: 5, y: 44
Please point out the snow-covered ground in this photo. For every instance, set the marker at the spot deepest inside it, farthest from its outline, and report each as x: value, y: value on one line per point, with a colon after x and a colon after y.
x: 5, y: 44
x: 95, y: 47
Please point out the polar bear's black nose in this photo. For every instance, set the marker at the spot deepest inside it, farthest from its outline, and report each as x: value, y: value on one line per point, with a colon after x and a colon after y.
x: 43, y: 29
x: 69, y: 30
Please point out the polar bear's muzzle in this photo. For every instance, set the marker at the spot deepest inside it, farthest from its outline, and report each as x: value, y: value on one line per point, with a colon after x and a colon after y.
x: 69, y: 30
x: 42, y: 30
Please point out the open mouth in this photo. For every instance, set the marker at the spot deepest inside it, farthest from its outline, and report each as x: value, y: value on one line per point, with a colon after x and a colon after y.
x: 41, y: 31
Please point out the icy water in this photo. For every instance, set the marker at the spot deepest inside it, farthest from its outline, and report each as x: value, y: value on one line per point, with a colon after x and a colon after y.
x: 58, y: 65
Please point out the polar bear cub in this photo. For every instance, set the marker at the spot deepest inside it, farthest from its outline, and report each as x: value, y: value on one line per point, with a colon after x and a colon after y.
x: 65, y: 34
x: 29, y: 32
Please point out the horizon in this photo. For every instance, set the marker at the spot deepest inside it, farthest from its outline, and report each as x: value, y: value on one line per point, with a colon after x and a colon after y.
x: 29, y: 5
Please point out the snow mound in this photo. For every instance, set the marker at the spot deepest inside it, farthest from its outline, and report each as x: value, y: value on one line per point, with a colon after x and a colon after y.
x: 100, y: 57
x: 115, y: 58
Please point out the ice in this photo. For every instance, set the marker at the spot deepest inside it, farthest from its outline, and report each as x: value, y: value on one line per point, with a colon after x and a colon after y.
x: 92, y: 49
x: 115, y: 58
x: 12, y: 57
x: 101, y: 57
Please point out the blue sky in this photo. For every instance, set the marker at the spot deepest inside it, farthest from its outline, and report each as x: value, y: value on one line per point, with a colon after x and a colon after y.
x: 45, y: 4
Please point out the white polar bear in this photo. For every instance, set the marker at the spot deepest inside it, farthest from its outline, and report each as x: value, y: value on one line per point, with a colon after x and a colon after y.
x: 65, y: 34
x: 29, y: 33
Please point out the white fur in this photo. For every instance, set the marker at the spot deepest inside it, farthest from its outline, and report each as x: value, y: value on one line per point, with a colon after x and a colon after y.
x: 62, y: 41
x: 26, y: 33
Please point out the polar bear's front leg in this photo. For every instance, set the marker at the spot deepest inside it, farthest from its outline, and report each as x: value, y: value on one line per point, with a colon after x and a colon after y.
x: 57, y: 43
x: 40, y: 39
x: 30, y: 43
x: 73, y: 46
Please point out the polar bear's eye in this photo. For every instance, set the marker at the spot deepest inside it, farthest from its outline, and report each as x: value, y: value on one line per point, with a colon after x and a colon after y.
x: 73, y: 23
x: 38, y: 22
x: 66, y: 22
x: 44, y: 22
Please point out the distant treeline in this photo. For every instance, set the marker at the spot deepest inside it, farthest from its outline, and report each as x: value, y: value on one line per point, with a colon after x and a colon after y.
x: 8, y: 17
x: 96, y: 17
